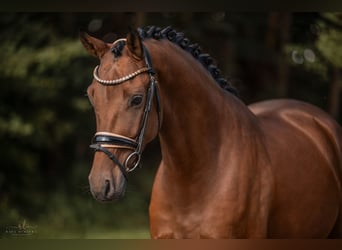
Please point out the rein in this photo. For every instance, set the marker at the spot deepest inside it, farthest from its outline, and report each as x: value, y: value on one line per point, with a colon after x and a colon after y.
x: 104, y: 140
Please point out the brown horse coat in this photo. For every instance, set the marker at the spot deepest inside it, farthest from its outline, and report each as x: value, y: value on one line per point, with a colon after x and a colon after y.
x: 272, y: 169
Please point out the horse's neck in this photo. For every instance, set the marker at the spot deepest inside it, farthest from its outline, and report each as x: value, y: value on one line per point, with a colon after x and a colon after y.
x: 199, y: 118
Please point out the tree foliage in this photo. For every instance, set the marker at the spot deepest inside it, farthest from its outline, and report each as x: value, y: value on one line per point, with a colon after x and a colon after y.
x: 330, y: 38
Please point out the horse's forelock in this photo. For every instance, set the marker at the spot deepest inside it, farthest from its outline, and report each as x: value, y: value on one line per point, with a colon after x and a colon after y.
x: 118, y: 47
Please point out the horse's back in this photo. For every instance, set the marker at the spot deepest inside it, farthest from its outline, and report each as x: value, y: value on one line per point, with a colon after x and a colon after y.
x: 309, y: 121
x: 304, y: 146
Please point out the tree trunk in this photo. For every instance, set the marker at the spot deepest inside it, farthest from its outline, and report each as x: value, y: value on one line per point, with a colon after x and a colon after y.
x: 334, y: 96
x: 284, y: 37
x: 140, y: 19
x: 277, y: 37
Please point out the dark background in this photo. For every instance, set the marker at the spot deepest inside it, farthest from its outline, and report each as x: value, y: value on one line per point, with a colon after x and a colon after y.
x: 46, y: 122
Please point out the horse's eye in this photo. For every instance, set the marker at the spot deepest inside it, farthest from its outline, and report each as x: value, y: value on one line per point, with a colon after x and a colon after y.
x: 136, y: 100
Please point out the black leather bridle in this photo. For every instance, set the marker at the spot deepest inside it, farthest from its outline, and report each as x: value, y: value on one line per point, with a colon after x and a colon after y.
x: 104, y: 140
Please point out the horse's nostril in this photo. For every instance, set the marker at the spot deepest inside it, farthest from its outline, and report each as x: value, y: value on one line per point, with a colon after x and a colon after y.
x: 107, y: 188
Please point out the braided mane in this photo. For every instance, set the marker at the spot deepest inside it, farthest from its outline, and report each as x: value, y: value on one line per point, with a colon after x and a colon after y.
x: 194, y: 49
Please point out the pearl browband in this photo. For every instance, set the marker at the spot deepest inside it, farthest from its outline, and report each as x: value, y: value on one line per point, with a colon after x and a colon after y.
x: 119, y: 80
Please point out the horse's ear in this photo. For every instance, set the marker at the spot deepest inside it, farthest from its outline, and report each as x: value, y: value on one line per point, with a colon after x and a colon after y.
x: 93, y: 45
x: 134, y: 44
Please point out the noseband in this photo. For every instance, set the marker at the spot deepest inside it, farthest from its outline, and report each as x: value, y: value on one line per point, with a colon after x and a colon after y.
x: 104, y: 140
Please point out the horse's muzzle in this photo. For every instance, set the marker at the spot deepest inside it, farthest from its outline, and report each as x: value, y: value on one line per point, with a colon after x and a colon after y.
x: 105, y: 189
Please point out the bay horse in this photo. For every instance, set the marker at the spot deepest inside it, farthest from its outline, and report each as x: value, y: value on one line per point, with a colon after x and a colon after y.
x: 268, y: 170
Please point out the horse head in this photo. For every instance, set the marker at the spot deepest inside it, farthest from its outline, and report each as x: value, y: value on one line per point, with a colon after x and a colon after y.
x: 122, y: 95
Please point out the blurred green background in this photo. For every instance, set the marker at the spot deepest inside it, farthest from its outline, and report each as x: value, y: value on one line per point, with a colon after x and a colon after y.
x: 46, y: 122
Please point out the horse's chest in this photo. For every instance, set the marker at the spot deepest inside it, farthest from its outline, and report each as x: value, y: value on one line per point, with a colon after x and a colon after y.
x: 176, y: 226
x: 183, y: 224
